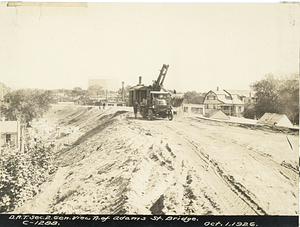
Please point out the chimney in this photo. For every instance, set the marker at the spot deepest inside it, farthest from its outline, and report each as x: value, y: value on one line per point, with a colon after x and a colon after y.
x: 123, y: 92
x: 217, y: 88
x: 140, y: 80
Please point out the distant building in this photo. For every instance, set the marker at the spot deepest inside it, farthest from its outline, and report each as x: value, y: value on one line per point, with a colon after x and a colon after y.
x: 10, y: 133
x: 191, y: 108
x: 81, y: 100
x: 231, y: 102
x: 247, y: 96
x: 115, y: 104
x: 275, y: 119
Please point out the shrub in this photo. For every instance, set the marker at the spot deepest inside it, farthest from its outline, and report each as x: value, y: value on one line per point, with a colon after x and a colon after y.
x: 22, y: 173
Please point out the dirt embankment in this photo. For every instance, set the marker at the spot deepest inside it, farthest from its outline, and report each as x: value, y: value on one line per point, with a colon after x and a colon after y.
x: 110, y: 163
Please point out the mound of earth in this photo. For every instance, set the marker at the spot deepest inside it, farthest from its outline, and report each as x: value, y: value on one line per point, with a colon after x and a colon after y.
x: 110, y: 163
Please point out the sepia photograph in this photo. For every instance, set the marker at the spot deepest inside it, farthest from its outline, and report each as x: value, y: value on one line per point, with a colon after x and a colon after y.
x: 159, y: 111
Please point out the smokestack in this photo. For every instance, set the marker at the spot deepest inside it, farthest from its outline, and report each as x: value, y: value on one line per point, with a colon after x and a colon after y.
x: 123, y: 95
x: 140, y: 80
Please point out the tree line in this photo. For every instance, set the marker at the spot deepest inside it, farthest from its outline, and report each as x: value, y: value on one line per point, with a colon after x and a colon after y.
x: 275, y: 95
x: 26, y: 104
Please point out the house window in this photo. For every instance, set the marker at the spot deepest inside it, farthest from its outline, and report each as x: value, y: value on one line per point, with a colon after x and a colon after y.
x: 211, y: 97
x: 8, y: 138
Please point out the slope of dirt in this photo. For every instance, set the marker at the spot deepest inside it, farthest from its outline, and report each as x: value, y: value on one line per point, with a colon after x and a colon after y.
x: 110, y: 163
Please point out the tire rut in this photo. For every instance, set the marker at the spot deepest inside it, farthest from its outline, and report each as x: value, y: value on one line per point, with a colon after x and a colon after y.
x: 225, y: 184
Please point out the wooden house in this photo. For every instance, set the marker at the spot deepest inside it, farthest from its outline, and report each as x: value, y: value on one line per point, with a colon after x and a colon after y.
x: 231, y: 102
x: 10, y: 133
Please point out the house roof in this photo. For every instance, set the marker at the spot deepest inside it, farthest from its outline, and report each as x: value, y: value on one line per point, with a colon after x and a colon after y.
x: 270, y: 118
x: 224, y: 100
x: 80, y: 98
x: 240, y: 92
x: 237, y: 101
x: 220, y: 112
x: 8, y: 127
x: 220, y: 92
x: 212, y: 113
x: 221, y: 95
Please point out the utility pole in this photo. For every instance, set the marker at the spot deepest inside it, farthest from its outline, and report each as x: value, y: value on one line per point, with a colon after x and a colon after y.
x: 22, y: 137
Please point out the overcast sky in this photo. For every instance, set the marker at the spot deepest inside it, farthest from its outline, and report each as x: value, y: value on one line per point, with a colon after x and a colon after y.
x: 206, y: 45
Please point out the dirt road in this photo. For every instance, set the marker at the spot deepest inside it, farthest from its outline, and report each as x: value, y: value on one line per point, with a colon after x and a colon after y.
x: 111, y: 163
x: 228, y: 170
